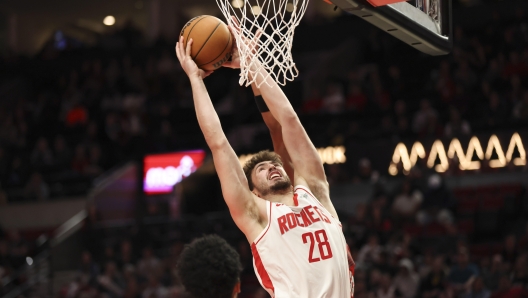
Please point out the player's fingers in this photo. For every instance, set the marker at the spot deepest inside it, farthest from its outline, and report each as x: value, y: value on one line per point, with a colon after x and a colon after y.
x: 188, y: 51
x: 235, y: 24
x: 177, y: 48
x: 258, y: 34
x: 180, y: 48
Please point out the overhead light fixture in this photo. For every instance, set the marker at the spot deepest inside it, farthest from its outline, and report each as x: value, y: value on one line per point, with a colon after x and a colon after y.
x: 256, y: 10
x: 109, y: 20
x: 237, y: 3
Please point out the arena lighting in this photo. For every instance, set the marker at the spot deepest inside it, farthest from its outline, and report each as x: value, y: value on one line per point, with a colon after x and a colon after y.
x: 162, y: 171
x: 329, y: 155
x: 455, y: 148
x: 495, y: 144
x: 256, y: 10
x: 109, y: 20
x: 237, y: 3
x: 438, y: 150
x: 400, y: 153
x: 516, y: 142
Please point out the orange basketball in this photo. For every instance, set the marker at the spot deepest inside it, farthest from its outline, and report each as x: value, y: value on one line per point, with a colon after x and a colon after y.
x: 212, y: 41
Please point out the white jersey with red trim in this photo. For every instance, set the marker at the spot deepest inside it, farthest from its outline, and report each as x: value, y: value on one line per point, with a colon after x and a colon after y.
x: 302, y: 252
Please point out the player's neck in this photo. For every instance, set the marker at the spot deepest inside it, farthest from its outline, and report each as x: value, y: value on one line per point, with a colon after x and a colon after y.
x: 285, y: 198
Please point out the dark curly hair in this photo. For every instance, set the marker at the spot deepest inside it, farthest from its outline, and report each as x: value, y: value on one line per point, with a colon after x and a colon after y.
x: 209, y: 267
x: 264, y: 155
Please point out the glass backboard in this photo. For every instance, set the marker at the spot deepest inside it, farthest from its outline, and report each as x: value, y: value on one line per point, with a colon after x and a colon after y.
x: 423, y: 24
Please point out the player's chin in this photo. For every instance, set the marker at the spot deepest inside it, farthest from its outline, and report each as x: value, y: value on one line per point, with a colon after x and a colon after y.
x: 280, y: 184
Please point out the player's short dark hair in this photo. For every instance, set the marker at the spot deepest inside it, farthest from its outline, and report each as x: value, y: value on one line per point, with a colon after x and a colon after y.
x: 209, y: 267
x: 263, y: 155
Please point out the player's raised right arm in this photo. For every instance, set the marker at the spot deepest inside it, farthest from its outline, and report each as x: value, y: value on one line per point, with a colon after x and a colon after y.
x: 248, y: 212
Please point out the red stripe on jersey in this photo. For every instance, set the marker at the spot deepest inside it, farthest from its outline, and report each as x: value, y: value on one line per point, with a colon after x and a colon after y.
x: 308, y: 192
x: 317, y: 200
x: 295, y: 201
x: 266, y: 281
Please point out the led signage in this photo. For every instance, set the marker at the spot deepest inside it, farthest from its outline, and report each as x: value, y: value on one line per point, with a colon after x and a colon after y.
x: 162, y: 171
x: 465, y: 157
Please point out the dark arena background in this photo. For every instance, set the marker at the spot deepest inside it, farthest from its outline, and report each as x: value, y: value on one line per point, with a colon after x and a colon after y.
x: 105, y: 174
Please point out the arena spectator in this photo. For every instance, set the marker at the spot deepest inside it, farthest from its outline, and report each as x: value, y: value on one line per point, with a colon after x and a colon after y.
x: 334, y: 100
x: 520, y: 271
x: 424, y: 118
x: 111, y: 282
x: 435, y: 282
x: 62, y: 154
x: 437, y: 202
x: 356, y: 99
x: 520, y: 111
x: 89, y: 270
x: 42, y: 156
x: 37, y: 188
x: 149, y: 264
x: 456, y: 127
x: 406, y: 280
x: 154, y: 289
x: 507, y: 290
x: 510, y: 251
x: 386, y: 288
x: 463, y: 273
x: 492, y: 275
x: 126, y: 255
x: 370, y: 252
x: 478, y: 290
x: 407, y: 203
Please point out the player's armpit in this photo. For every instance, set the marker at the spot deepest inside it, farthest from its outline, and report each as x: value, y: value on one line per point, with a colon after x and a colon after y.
x: 247, y: 210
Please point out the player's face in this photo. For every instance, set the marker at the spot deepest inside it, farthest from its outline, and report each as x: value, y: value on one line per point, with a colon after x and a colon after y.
x: 270, y: 178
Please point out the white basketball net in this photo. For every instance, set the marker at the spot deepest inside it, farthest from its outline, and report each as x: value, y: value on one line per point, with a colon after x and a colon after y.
x: 276, y: 19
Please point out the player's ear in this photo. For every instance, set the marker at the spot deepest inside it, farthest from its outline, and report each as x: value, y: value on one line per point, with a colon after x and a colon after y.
x: 236, y: 289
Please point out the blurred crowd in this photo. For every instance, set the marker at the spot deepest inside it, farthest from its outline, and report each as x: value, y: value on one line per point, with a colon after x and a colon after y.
x: 14, y: 249
x: 421, y: 241
x: 412, y: 241
x: 127, y: 266
x: 72, y: 112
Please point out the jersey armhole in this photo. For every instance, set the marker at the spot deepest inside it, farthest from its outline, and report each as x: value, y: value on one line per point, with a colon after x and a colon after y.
x: 261, y: 235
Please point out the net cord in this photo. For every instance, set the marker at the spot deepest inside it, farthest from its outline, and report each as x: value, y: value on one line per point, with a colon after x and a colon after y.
x: 273, y: 48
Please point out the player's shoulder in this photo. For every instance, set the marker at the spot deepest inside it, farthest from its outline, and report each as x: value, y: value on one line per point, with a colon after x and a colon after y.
x: 302, y: 188
x: 304, y: 191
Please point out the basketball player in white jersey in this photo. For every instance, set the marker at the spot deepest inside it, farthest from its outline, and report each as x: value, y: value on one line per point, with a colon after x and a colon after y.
x: 298, y: 246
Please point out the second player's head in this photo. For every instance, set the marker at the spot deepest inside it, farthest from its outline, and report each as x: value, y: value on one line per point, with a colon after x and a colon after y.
x: 266, y: 175
x: 210, y: 267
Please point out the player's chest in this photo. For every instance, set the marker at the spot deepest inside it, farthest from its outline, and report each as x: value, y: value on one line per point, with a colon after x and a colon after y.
x: 293, y: 220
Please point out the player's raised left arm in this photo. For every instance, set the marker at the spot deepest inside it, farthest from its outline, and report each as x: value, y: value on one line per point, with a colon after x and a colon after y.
x: 306, y: 161
x: 275, y: 132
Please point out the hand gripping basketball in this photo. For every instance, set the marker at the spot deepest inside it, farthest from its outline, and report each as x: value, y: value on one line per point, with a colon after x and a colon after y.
x: 187, y: 63
x: 250, y: 44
